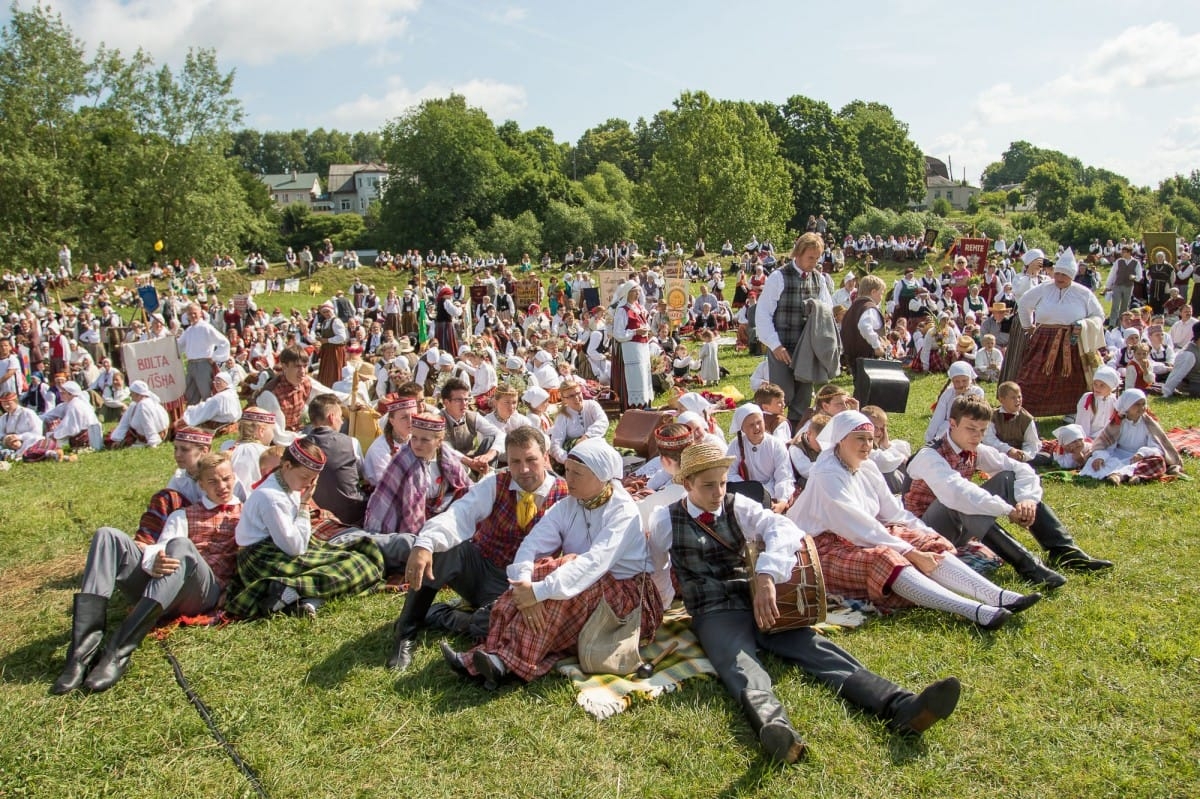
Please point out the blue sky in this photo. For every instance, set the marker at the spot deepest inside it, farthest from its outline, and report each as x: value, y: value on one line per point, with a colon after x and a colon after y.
x: 1112, y: 83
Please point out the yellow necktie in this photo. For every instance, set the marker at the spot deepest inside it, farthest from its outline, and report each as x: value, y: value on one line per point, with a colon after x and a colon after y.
x: 526, y: 508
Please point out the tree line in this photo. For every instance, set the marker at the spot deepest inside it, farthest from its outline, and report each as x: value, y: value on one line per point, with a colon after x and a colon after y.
x: 114, y: 153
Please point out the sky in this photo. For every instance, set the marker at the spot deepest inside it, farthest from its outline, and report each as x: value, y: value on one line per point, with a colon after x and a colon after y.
x: 1115, y: 84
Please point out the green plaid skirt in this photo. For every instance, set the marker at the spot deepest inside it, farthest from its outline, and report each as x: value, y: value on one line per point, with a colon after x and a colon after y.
x: 323, y: 571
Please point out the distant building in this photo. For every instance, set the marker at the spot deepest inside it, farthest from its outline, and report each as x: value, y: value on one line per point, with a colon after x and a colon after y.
x: 939, y: 185
x: 353, y: 187
x: 293, y: 187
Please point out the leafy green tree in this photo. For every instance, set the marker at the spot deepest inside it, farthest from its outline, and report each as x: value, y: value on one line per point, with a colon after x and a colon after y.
x: 892, y: 163
x: 1014, y: 198
x: 444, y: 161
x: 942, y: 207
x: 716, y: 172
x: 565, y: 226
x: 612, y: 142
x: 1052, y: 187
x: 514, y: 237
x: 344, y: 230
x: 826, y: 170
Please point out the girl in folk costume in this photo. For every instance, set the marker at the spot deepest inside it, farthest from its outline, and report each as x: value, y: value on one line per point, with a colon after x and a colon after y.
x: 1133, y: 448
x: 143, y: 424
x: 421, y: 480
x: 538, y: 400
x: 446, y: 314
x: 408, y: 306
x: 1096, y: 407
x: 710, y: 368
x: 961, y: 382
x: 255, y: 431
x: 631, y: 357
x: 872, y: 548
x: 759, y: 457
x: 1072, y: 448
x: 184, y: 573
x: 396, y: 412
x: 589, y: 547
x: 696, y: 403
x: 1139, y: 372
x: 280, y: 565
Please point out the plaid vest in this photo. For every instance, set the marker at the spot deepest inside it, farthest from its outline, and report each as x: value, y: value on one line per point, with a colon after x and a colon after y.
x: 920, y: 496
x: 711, y: 576
x: 498, y: 537
x: 1012, y: 431
x: 790, y: 314
x: 211, y: 530
x: 292, y: 399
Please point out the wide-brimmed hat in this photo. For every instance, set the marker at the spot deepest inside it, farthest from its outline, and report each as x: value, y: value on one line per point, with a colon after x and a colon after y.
x: 701, y: 457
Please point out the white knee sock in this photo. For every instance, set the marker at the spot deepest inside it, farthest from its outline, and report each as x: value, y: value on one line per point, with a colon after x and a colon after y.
x: 920, y: 590
x: 959, y: 577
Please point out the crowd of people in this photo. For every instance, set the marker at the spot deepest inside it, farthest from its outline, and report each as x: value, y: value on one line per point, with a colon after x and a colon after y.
x: 442, y: 436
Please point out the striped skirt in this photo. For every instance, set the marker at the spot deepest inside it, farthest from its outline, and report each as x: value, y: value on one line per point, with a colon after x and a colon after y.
x: 1051, y: 373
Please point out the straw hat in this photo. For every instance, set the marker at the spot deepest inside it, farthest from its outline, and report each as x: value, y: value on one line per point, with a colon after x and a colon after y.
x: 702, y: 457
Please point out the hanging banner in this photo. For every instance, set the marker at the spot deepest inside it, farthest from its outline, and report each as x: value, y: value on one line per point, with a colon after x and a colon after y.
x: 291, y: 285
x: 241, y: 302
x: 1159, y: 242
x: 258, y: 286
x: 976, y: 253
x: 609, y: 280
x: 528, y: 291
x: 158, y: 363
x: 149, y: 297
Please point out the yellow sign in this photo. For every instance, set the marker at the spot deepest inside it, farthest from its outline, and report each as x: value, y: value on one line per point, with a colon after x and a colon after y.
x: 1159, y: 242
x: 158, y: 246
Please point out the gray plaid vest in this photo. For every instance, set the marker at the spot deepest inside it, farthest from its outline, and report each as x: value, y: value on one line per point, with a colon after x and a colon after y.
x: 711, y: 576
x: 790, y: 314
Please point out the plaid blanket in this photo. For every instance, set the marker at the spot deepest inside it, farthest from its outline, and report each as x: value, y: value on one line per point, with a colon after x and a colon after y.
x: 1186, y: 440
x: 605, y: 695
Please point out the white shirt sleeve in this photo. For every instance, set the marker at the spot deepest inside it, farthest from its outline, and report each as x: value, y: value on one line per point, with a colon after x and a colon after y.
x: 952, y: 489
x: 447, y: 530
x: 175, y: 526
x: 764, y: 310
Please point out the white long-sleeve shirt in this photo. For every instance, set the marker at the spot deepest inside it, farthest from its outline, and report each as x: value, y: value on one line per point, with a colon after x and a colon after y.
x: 890, y: 459
x: 857, y: 505
x: 175, y: 526
x: 590, y: 421
x: 608, y: 539
x: 200, y: 340
x: 768, y: 301
x: 146, y: 418
x: 766, y: 462
x: 960, y: 494
x: 447, y: 530
x: 1050, y: 305
x: 1031, y: 444
x: 939, y: 422
x: 273, y: 512
x: 224, y: 407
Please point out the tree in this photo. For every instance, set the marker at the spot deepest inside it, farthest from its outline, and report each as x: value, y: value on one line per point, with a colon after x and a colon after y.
x: 1052, y: 187
x: 942, y: 207
x: 611, y: 141
x: 565, y: 226
x: 716, y: 172
x: 444, y: 162
x: 826, y: 170
x: 892, y: 163
x: 1014, y: 198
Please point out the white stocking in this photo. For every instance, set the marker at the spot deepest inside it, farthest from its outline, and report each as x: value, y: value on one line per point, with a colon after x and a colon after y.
x: 920, y: 590
x: 959, y: 577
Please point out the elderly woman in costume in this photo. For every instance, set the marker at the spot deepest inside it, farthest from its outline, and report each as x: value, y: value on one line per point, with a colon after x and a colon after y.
x: 631, y: 358
x: 144, y: 422
x: 588, y: 548
x: 705, y: 532
x: 446, y: 312
x: 222, y: 408
x: 184, y: 572
x: 70, y: 421
x: 872, y: 548
x: 420, y: 481
x: 333, y: 335
x: 280, y: 566
x: 1133, y: 448
x: 1051, y: 372
x: 396, y: 413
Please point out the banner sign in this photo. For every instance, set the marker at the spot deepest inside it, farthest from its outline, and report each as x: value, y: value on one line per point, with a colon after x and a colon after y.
x: 291, y: 285
x: 158, y: 363
x: 528, y: 291
x: 677, y: 300
x: 258, y: 287
x: 241, y: 302
x: 149, y: 297
x: 610, y: 279
x: 976, y: 253
x: 1159, y: 242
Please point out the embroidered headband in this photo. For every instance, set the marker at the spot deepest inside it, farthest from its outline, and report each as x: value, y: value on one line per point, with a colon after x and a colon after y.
x: 302, y: 458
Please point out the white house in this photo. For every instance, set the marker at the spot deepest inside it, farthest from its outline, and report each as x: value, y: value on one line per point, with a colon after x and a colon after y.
x: 353, y: 187
x: 293, y: 187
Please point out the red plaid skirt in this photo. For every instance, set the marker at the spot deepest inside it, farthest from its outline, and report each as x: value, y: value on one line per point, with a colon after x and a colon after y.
x: 1151, y: 468
x: 868, y: 572
x: 528, y: 654
x: 483, y: 402
x: 1051, y: 373
x: 41, y: 450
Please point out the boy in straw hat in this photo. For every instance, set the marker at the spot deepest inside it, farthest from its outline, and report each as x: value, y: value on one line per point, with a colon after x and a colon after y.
x: 705, y: 533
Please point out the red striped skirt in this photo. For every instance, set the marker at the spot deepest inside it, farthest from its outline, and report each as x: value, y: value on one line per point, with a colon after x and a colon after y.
x: 530, y: 654
x: 1051, y: 373
x: 868, y: 572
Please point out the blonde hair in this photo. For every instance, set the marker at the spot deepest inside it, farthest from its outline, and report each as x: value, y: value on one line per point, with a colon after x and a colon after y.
x: 870, y: 283
x: 806, y: 242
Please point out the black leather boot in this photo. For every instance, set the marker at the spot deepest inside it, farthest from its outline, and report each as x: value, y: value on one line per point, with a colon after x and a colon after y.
x: 412, y: 619
x: 769, y: 719
x: 448, y: 617
x: 87, y: 632
x: 1062, y: 551
x: 1021, y: 559
x: 906, y: 713
x: 115, y: 661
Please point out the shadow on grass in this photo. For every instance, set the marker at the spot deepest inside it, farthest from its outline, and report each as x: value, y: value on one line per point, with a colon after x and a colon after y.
x: 35, y: 662
x: 367, y: 650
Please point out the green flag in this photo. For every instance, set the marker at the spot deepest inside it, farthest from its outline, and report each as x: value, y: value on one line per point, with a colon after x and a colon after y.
x: 422, y: 323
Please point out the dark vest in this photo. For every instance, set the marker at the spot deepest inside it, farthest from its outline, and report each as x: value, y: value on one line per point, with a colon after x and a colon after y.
x: 337, y: 488
x: 1012, y: 431
x: 853, y: 344
x: 1124, y: 268
x: 711, y: 576
x: 462, y: 438
x: 498, y: 537
x: 1192, y: 381
x: 790, y: 314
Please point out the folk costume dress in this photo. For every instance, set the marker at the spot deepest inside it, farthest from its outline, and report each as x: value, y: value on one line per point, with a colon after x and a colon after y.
x: 631, y: 358
x: 1125, y: 438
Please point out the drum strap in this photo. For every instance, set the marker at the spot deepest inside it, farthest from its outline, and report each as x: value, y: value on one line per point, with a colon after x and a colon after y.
x: 733, y: 528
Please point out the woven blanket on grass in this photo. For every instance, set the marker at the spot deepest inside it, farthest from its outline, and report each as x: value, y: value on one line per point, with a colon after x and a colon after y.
x: 1186, y: 440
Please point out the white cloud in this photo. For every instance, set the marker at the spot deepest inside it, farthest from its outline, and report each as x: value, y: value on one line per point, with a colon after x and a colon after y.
x: 244, y: 31
x: 509, y: 15
x: 1144, y: 57
x: 499, y: 100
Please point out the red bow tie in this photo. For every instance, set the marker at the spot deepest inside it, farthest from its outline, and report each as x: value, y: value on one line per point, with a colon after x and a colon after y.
x: 225, y: 507
x: 706, y: 518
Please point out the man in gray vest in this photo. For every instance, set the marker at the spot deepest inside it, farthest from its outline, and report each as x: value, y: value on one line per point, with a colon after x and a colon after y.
x: 1185, y: 376
x: 479, y: 441
x: 780, y: 317
x: 338, y: 488
x: 1126, y: 271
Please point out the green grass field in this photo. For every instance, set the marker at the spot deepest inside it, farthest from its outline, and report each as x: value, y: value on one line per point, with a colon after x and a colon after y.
x: 1093, y: 693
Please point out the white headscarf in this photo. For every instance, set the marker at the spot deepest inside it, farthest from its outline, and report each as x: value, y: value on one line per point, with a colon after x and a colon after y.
x: 1069, y: 434
x: 600, y: 458
x: 623, y: 292
x: 842, y: 425
x: 1129, y: 397
x: 535, y: 396
x: 695, y: 403
x: 1108, y: 376
x: 1066, y: 264
x: 740, y: 416
x: 960, y: 369
x: 1032, y: 255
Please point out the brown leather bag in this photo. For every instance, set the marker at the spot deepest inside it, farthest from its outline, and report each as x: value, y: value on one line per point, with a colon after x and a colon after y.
x: 635, y: 431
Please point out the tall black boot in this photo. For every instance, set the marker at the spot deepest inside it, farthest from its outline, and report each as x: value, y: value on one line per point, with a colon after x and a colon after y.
x: 906, y: 713
x: 115, y: 661
x: 412, y: 619
x: 1062, y: 551
x: 87, y: 632
x: 448, y: 617
x: 1022, y: 560
x: 775, y: 732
